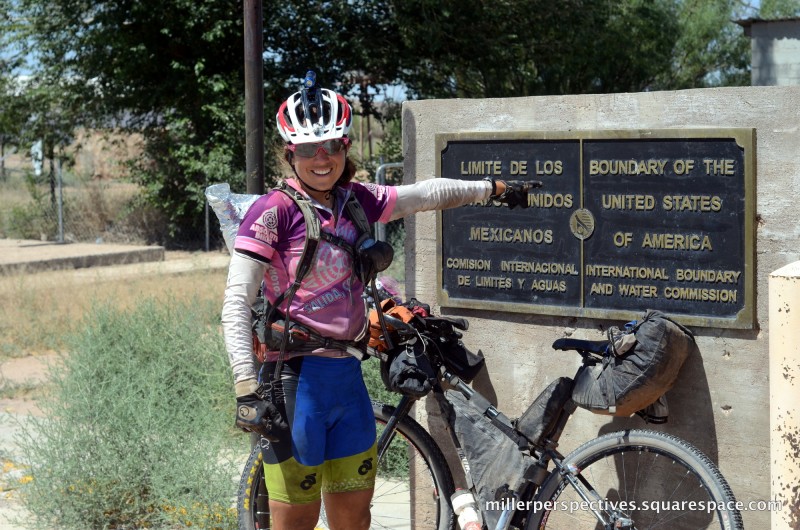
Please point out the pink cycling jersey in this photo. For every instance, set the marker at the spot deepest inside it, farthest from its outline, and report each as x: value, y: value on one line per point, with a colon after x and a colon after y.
x: 329, y: 297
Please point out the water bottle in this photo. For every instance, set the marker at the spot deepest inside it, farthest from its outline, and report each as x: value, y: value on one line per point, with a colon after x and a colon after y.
x: 466, y: 510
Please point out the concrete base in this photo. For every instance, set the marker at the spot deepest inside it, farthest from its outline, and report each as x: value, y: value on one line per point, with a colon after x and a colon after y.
x: 784, y: 394
x: 20, y: 256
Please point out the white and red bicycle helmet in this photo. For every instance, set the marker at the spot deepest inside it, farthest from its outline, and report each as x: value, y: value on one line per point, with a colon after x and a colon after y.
x: 313, y: 114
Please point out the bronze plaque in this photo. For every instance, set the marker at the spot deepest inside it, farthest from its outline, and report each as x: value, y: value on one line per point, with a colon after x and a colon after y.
x: 625, y: 221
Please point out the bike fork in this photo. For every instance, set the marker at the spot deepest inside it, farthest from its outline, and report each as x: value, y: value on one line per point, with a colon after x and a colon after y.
x: 401, y: 411
x: 505, y: 517
x: 588, y: 494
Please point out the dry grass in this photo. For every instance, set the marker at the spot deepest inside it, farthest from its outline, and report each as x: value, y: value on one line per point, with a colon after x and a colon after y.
x: 92, y: 209
x: 111, y: 194
x: 11, y: 196
x: 38, y: 310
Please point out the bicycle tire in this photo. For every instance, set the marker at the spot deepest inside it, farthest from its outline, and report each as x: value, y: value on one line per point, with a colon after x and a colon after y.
x: 634, y: 469
x: 428, y: 482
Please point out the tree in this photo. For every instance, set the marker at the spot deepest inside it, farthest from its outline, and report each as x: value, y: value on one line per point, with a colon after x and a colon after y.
x: 571, y: 47
x: 773, y: 9
x: 173, y: 69
x: 711, y: 49
x: 11, y: 116
x: 12, y: 104
x: 52, y: 118
x: 169, y: 70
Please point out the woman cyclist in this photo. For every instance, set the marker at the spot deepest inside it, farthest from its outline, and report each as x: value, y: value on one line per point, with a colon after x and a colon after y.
x: 316, y: 418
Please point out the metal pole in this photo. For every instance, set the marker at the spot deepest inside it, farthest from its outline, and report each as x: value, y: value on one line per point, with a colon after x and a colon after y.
x: 380, y: 178
x: 254, y: 95
x: 60, y: 202
x: 254, y: 106
x: 208, y: 229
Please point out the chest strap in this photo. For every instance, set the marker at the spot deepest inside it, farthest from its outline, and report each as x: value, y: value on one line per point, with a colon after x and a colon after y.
x: 303, y: 266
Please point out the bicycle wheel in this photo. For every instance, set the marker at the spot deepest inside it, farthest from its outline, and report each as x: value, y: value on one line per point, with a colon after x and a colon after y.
x: 252, y: 502
x: 412, y: 490
x: 644, y: 479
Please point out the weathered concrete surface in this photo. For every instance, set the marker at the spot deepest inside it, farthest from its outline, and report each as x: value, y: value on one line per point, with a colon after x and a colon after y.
x: 784, y: 393
x: 721, y: 403
x: 19, y: 255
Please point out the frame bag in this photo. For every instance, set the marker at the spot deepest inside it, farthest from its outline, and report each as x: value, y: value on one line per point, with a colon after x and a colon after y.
x: 496, y: 465
x: 641, y: 364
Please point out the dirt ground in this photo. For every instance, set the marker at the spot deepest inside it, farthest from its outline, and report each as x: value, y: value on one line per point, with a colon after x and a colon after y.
x: 24, y: 371
x: 20, y: 377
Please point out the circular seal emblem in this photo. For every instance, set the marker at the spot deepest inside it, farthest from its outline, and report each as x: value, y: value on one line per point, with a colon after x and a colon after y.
x: 270, y: 219
x: 581, y: 223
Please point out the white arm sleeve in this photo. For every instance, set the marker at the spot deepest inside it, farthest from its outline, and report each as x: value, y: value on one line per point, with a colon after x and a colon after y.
x: 438, y: 194
x: 244, y: 279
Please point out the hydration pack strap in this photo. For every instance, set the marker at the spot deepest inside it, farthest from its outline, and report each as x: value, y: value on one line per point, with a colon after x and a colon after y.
x: 312, y: 231
x: 339, y: 242
x: 357, y: 214
x: 303, y: 266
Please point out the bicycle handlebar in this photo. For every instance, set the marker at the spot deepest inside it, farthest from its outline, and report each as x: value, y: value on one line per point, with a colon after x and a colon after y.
x: 399, y: 324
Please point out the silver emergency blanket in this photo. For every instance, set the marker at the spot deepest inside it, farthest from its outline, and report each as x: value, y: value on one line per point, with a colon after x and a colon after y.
x: 229, y: 208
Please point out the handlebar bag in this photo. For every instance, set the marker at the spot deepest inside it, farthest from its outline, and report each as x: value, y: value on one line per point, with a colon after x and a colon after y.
x: 461, y: 361
x: 458, y: 359
x: 408, y: 370
x: 393, y: 309
x: 633, y: 378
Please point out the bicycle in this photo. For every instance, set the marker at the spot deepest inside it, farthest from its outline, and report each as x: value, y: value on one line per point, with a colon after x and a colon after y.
x: 635, y: 478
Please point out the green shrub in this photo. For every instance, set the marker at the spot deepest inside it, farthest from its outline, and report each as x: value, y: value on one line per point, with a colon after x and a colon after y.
x: 371, y: 369
x: 28, y: 212
x: 31, y: 221
x: 136, y: 429
x: 396, y: 236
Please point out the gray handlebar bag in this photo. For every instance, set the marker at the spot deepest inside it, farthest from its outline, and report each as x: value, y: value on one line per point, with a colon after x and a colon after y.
x: 408, y: 370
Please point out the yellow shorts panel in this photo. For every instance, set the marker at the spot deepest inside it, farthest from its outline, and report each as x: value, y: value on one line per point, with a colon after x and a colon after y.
x: 294, y: 483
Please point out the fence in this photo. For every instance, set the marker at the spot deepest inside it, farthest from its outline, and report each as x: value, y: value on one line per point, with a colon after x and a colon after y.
x: 66, y: 205
x: 69, y: 208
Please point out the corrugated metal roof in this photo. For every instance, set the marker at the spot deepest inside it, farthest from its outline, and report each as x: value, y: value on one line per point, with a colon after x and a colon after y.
x: 747, y: 22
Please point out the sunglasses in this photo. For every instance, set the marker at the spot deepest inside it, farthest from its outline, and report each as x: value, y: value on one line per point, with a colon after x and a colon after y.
x: 331, y: 147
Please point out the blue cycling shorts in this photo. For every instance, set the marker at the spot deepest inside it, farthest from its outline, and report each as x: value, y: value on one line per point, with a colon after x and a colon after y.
x: 331, y: 441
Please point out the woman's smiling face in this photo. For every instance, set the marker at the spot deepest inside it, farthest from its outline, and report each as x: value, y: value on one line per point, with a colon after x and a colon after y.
x: 322, y: 170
